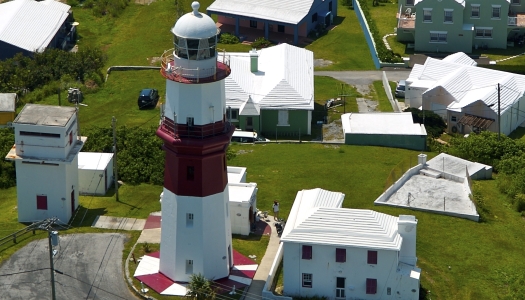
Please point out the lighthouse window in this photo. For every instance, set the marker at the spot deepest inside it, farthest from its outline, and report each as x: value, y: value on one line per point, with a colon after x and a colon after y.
x: 189, y: 220
x: 190, y: 121
x: 193, y: 48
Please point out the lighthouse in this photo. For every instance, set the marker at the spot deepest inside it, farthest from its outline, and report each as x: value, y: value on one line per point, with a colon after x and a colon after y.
x: 195, y: 229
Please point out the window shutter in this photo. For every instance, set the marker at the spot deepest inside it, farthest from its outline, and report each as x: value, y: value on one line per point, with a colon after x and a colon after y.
x: 307, y: 252
x: 372, y: 257
x: 340, y: 255
x: 41, y: 202
x: 371, y: 286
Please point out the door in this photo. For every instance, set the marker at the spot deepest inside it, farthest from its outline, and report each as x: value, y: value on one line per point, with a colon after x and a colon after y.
x: 249, y: 123
x: 340, y: 288
x: 72, y: 202
x: 230, y: 262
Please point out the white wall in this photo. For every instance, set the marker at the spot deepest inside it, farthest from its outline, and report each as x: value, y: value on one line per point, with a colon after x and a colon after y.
x: 185, y: 100
x: 206, y: 242
x: 94, y: 182
x: 356, y: 269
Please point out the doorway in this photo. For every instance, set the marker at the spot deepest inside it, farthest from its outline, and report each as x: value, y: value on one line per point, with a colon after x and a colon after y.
x: 249, y: 123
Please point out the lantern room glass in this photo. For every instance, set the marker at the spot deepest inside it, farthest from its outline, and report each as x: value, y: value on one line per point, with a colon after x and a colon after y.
x: 195, y: 49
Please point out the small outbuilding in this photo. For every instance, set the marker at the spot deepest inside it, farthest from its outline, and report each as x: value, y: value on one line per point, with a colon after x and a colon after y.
x: 7, y: 108
x: 396, y: 130
x: 95, y: 173
x: 243, y: 201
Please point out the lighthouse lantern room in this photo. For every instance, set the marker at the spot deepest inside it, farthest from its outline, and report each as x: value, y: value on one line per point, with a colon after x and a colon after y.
x: 195, y: 229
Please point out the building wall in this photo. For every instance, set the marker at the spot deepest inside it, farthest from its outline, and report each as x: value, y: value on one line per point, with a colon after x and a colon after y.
x: 243, y: 125
x: 205, y: 242
x: 356, y: 270
x: 94, y: 182
x: 298, y: 120
x: 57, y: 182
x: 6, y: 116
x: 8, y: 51
x: 499, y: 26
x: 414, y: 142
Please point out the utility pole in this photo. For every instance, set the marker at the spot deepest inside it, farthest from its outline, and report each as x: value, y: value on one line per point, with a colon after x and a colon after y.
x: 53, y: 241
x: 343, y: 96
x: 115, y: 171
x: 499, y: 113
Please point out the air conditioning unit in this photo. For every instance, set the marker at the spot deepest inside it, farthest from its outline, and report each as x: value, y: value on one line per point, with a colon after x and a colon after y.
x: 9, y: 124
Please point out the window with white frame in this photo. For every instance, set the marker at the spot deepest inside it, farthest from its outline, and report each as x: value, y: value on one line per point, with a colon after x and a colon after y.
x: 307, y: 280
x: 189, y: 220
x: 496, y: 11
x: 427, y: 15
x: 448, y: 16
x: 409, y: 2
x: 484, y: 32
x: 438, y: 36
x: 515, y: 2
x: 474, y: 11
x: 283, y: 118
x: 189, y: 266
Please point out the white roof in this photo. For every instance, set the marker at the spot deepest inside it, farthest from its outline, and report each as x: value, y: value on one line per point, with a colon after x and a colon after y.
x: 195, y: 24
x: 360, y: 228
x: 7, y: 102
x: 235, y: 174
x: 291, y: 12
x: 31, y: 25
x: 241, y: 192
x: 460, y: 58
x: 94, y: 160
x: 285, y: 79
x: 381, y: 123
x: 455, y: 165
x: 467, y: 83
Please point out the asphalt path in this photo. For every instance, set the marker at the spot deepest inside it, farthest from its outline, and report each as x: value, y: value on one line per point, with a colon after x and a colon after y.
x: 365, y: 77
x: 91, y: 264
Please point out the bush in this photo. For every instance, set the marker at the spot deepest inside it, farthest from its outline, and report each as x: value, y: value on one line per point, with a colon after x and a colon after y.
x: 7, y: 168
x: 227, y: 38
x: 519, y: 202
x: 434, y: 124
x: 261, y: 43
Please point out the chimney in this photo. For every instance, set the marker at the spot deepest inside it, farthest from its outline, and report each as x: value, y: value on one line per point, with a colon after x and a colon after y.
x: 407, y: 227
x: 422, y: 159
x: 254, y: 61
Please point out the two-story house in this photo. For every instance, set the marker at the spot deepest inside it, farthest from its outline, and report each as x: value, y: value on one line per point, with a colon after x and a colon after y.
x: 342, y: 253
x: 460, y: 25
x: 46, y: 160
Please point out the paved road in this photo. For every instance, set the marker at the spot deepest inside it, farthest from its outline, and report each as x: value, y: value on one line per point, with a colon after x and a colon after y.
x: 364, y: 77
x: 91, y: 263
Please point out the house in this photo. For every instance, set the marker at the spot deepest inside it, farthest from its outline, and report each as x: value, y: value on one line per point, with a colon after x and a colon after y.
x: 29, y: 26
x: 396, y: 130
x: 295, y: 18
x: 95, y: 173
x: 460, y: 26
x: 243, y: 200
x: 271, y: 90
x: 7, y: 108
x: 335, y: 252
x: 469, y: 98
x: 46, y: 160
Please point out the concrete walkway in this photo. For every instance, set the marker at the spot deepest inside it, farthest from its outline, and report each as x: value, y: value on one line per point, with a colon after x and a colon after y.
x: 255, y: 290
x: 108, y: 222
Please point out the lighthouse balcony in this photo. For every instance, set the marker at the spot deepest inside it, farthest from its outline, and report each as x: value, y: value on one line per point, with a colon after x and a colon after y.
x: 178, y: 73
x: 176, y: 131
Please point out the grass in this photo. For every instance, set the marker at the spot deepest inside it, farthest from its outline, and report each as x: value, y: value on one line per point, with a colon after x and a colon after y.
x: 344, y: 45
x: 379, y: 94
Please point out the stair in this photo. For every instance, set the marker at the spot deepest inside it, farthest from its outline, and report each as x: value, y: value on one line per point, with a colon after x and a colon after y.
x: 430, y: 173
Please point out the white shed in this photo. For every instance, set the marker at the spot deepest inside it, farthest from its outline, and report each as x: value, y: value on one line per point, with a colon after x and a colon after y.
x: 243, y: 203
x: 95, y: 172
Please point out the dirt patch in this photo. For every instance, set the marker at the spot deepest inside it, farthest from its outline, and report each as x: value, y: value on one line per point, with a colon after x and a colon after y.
x: 154, y: 60
x: 366, y: 105
x: 243, y: 152
x: 333, y: 132
x: 322, y: 63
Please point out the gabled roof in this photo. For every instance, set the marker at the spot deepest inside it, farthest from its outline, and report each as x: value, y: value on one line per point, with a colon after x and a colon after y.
x: 460, y: 58
x: 284, y: 79
x: 291, y: 12
x: 250, y: 108
x: 31, y: 25
x: 360, y: 228
x: 467, y: 83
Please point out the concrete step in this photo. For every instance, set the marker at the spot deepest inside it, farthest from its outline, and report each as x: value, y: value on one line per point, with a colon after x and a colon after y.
x: 430, y: 173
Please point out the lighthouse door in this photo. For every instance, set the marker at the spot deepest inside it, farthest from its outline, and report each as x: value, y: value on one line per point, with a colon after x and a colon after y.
x: 230, y: 262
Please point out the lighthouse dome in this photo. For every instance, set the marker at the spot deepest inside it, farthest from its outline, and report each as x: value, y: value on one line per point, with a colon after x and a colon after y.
x: 195, y: 25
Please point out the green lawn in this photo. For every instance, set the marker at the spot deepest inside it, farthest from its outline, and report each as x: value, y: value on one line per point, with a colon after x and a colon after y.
x: 379, y: 94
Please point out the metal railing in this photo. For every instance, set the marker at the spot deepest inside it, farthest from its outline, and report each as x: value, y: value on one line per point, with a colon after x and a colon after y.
x: 170, y: 69
x: 182, y: 130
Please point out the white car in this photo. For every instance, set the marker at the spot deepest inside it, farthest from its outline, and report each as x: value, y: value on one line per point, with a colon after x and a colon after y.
x: 247, y: 137
x: 400, y: 89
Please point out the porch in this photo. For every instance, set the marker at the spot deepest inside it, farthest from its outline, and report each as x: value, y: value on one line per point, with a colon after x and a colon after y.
x: 247, y: 35
x: 516, y: 19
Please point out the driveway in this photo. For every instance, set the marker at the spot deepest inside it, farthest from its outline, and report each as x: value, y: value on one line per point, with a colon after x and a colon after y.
x: 363, y: 79
x: 91, y: 264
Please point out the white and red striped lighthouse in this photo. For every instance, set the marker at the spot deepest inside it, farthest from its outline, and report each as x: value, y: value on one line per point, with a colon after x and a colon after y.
x: 196, y: 232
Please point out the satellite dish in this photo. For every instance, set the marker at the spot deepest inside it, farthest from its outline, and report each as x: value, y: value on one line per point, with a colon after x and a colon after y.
x: 75, y: 24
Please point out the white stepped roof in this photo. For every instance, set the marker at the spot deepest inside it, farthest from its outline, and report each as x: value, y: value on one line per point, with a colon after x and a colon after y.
x: 361, y: 228
x: 31, y: 25
x: 284, y: 79
x: 460, y: 58
x: 291, y: 12
x: 381, y: 123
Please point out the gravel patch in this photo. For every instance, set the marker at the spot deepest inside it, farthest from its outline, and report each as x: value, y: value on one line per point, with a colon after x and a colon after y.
x: 322, y: 63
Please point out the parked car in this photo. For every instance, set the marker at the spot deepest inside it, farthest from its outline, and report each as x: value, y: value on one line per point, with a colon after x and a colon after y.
x: 247, y: 137
x: 148, y: 98
x: 400, y: 89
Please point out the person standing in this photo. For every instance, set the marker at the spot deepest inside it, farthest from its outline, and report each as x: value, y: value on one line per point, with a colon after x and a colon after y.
x: 275, y: 210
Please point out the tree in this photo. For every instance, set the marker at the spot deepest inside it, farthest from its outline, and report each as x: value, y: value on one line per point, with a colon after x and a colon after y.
x: 434, y: 124
x: 200, y: 288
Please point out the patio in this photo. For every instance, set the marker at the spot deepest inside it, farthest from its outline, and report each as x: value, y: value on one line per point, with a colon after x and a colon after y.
x: 248, y: 35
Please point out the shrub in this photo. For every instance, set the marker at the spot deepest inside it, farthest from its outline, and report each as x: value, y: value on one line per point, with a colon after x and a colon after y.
x: 7, y: 168
x: 228, y: 38
x: 519, y: 202
x: 434, y: 124
x: 261, y: 43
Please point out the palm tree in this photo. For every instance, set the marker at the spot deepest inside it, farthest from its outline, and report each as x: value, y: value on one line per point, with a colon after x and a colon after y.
x: 200, y: 288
